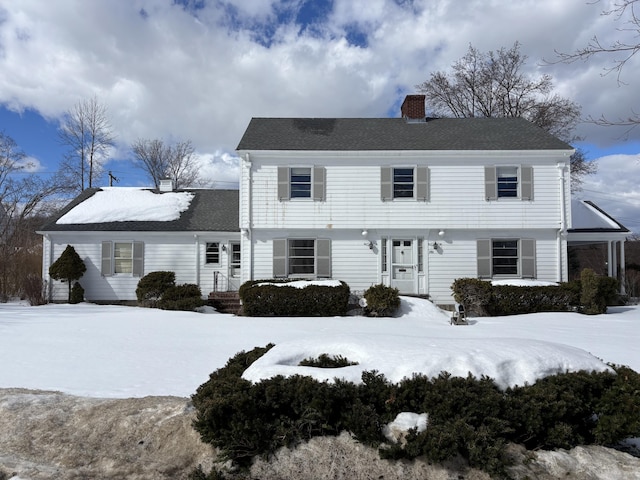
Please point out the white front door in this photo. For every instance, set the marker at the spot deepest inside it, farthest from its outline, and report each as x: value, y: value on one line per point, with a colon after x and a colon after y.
x: 403, y: 266
x: 234, y: 266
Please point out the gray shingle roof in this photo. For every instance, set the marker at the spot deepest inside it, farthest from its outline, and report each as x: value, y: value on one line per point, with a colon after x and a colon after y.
x: 210, y: 210
x: 352, y: 134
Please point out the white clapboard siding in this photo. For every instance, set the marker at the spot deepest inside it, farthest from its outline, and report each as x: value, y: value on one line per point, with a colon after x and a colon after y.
x: 456, y: 200
x: 181, y: 253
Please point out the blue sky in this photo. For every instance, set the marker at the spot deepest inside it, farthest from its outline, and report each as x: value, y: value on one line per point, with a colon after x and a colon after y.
x: 200, y: 69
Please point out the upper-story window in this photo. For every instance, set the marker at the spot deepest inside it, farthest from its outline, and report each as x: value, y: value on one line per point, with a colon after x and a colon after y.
x: 508, y: 182
x: 301, y: 183
x: 404, y: 183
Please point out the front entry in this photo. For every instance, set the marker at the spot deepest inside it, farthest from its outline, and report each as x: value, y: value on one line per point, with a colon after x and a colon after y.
x: 235, y: 265
x: 403, y: 266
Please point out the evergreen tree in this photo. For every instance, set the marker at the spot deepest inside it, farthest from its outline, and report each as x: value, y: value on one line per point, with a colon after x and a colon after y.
x: 68, y: 267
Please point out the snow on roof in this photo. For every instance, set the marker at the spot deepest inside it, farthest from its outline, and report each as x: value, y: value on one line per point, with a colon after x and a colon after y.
x: 122, y: 204
x: 585, y: 216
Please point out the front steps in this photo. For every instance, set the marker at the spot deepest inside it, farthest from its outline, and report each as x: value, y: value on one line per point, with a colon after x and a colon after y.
x: 225, y: 302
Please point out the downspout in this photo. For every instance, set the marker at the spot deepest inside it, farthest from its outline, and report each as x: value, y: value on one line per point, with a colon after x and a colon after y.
x: 247, y: 230
x: 197, y: 252
x: 562, y: 231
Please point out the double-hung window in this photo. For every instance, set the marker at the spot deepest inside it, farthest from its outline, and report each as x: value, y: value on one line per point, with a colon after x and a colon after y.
x: 302, y: 257
x: 212, y: 253
x: 508, y: 182
x: 403, y: 183
x: 122, y: 258
x: 397, y: 183
x: 301, y: 183
x: 506, y: 257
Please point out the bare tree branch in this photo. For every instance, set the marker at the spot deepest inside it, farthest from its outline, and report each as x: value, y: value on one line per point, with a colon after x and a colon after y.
x: 87, y: 133
x: 177, y: 162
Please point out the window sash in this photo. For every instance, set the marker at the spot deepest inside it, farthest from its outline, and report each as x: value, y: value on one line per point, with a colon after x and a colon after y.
x: 212, y: 253
x: 505, y: 257
x: 507, y: 180
x: 122, y: 257
x: 403, y: 182
x: 302, y: 257
x: 300, y: 182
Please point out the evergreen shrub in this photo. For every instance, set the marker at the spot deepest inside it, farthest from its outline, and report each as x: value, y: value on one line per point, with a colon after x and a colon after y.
x: 152, y: 286
x: 467, y: 417
x: 382, y: 301
x: 481, y: 298
x: 77, y: 293
x: 68, y: 267
x: 325, y: 360
x: 597, y: 292
x: 186, y: 297
x: 264, y: 298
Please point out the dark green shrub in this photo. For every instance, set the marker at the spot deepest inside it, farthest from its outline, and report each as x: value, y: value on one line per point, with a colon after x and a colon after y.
x: 619, y: 409
x: 325, y: 360
x: 68, y: 267
x: 468, y: 417
x: 474, y: 294
x: 481, y: 298
x: 591, y: 302
x: 262, y: 299
x: 185, y: 297
x: 382, y: 301
x: 151, y: 287
x: 77, y: 293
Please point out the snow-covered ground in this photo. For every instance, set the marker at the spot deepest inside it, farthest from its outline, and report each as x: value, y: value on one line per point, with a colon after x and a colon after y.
x: 120, y: 352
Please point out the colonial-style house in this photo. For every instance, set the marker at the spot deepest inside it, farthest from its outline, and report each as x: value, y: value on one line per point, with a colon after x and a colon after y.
x: 411, y: 202
x: 123, y: 233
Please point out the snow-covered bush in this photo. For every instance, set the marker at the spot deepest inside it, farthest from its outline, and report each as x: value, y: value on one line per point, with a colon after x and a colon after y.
x: 468, y: 417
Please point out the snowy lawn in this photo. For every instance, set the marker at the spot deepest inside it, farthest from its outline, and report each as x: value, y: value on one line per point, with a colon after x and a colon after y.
x: 120, y: 352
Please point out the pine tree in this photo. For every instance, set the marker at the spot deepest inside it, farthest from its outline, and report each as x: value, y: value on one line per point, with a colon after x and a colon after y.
x: 68, y: 267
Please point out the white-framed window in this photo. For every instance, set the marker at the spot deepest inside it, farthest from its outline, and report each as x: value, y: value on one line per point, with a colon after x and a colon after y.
x: 398, y: 183
x: 212, y: 253
x: 383, y: 255
x: 403, y: 183
x: 302, y: 257
x: 508, y: 181
x: 300, y: 183
x: 122, y: 258
x: 506, y: 257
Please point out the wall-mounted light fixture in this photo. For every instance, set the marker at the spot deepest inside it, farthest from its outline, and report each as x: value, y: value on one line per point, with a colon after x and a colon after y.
x: 224, y: 248
x: 369, y: 244
x: 436, y: 246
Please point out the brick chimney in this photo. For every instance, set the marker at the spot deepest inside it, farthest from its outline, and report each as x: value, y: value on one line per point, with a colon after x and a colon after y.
x: 413, y: 108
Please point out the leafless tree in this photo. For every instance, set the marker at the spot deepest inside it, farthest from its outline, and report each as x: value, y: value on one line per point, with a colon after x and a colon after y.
x: 22, y: 198
x: 158, y: 160
x: 87, y: 133
x: 625, y: 13
x: 494, y: 84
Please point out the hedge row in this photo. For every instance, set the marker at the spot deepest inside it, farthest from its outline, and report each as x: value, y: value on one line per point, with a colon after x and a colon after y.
x: 264, y: 298
x: 467, y: 416
x: 590, y: 296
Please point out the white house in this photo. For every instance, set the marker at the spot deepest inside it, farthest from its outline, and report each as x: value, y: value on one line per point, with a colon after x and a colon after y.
x: 409, y: 202
x: 124, y: 233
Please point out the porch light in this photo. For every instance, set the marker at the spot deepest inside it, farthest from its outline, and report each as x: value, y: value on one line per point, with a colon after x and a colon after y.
x: 224, y: 248
x: 441, y: 233
x: 365, y: 232
x: 436, y: 246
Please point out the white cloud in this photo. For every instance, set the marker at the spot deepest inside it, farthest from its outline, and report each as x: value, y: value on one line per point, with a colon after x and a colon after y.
x: 167, y: 72
x: 615, y: 188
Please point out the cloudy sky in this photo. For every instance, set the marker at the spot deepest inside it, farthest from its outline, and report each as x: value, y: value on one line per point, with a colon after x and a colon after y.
x: 200, y: 69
